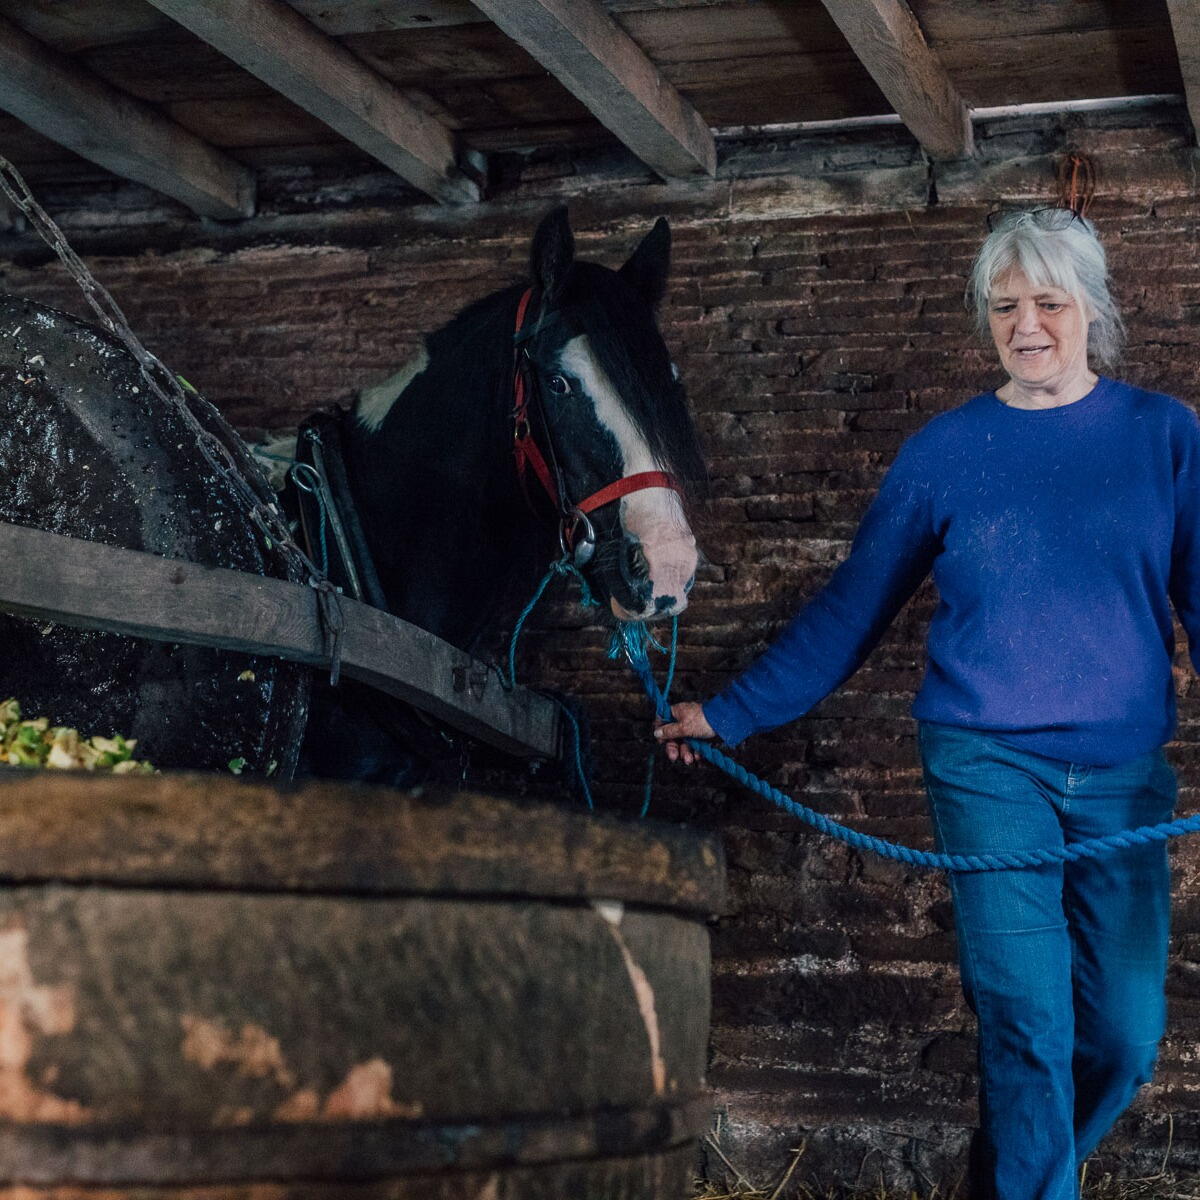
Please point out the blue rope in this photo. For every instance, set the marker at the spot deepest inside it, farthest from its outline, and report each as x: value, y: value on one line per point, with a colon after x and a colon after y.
x: 577, y: 741
x: 631, y: 639
x: 671, y: 661
x: 648, y: 783
x: 562, y: 567
x: 1005, y: 861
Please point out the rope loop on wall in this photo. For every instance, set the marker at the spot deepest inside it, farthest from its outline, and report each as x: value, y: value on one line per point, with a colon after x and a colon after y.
x: 1076, y: 183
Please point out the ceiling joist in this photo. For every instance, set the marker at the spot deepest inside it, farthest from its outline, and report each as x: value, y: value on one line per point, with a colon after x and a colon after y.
x: 885, y: 36
x: 1185, y: 23
x: 271, y: 40
x: 80, y: 111
x: 595, y: 59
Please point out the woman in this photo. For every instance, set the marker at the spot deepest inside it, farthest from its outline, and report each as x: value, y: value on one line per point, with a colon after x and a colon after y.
x: 1058, y: 514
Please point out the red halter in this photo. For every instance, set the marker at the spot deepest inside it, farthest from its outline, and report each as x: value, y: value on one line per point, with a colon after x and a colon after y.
x: 528, y: 456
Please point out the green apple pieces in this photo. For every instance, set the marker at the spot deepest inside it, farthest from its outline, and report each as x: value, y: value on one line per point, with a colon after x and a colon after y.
x: 35, y: 743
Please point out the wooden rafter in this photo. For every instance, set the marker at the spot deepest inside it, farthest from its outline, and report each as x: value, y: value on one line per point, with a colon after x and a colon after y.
x: 271, y: 40
x: 79, y: 110
x: 588, y: 52
x: 889, y: 43
x: 1185, y: 22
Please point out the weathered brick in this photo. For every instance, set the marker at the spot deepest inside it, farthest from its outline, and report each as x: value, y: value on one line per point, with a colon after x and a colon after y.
x: 810, y: 349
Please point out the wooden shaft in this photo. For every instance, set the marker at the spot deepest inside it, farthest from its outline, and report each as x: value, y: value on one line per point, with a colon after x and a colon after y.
x: 82, y: 583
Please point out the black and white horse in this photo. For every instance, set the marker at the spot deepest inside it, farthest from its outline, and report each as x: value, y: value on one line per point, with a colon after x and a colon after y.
x: 545, y: 418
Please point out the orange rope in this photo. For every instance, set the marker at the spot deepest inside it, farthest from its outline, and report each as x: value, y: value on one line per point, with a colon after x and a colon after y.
x: 1076, y: 183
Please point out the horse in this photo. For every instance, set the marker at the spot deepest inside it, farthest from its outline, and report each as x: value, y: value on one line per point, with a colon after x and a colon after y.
x: 544, y: 422
x: 456, y: 533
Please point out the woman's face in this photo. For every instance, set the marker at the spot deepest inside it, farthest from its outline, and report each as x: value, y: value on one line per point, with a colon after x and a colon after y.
x: 1040, y: 332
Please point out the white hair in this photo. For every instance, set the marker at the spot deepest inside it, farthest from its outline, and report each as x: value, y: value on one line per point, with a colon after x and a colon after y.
x: 1064, y: 254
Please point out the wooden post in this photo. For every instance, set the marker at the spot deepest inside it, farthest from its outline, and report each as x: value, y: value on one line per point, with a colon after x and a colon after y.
x: 1185, y: 21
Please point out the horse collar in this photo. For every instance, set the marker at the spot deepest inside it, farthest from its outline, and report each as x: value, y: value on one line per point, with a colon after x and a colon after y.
x: 528, y: 455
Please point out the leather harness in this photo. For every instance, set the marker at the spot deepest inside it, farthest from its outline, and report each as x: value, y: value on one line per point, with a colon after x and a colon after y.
x: 573, y: 518
x: 329, y: 497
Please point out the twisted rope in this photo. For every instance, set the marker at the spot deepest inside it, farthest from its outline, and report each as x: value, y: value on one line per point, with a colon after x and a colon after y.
x: 631, y: 640
x: 635, y: 653
x: 508, y: 680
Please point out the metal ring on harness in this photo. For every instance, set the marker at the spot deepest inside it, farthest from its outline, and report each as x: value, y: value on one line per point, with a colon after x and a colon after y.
x: 306, y: 479
x: 578, y: 550
x: 528, y: 455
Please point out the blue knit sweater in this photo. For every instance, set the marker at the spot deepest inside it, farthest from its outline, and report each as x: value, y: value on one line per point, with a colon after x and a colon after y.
x: 1055, y: 537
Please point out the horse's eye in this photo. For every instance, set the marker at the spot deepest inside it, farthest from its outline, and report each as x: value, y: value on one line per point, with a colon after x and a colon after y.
x: 559, y: 385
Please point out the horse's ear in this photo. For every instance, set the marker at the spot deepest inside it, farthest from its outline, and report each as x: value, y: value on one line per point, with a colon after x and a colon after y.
x: 553, y: 252
x: 647, y: 267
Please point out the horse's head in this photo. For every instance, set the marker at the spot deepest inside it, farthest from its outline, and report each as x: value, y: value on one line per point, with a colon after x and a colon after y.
x: 608, y: 405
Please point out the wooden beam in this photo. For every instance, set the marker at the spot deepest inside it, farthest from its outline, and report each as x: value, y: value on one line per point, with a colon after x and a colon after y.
x: 273, y: 41
x: 81, y: 583
x: 81, y: 111
x: 889, y: 43
x: 594, y: 58
x: 1185, y: 21
x: 73, y: 26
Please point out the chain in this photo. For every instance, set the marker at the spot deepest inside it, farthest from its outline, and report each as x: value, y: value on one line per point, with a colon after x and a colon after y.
x: 264, y: 515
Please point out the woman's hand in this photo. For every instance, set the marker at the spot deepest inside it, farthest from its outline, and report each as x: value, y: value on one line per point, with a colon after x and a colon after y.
x: 687, y: 721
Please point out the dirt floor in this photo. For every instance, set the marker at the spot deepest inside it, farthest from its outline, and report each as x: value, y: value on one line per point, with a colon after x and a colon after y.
x: 792, y: 1184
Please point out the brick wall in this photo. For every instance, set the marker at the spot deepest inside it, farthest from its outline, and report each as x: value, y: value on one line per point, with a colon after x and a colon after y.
x: 811, y: 347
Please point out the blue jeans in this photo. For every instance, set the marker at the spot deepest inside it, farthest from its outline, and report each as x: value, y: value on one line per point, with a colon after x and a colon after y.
x: 1063, y: 965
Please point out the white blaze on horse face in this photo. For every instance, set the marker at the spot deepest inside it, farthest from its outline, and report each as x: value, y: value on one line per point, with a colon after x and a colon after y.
x: 374, y: 403
x: 653, y: 516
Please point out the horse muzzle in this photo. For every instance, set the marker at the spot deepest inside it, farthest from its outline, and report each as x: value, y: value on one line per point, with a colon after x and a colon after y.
x: 656, y: 577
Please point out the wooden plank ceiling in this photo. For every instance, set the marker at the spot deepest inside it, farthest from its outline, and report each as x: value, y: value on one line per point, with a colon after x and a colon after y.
x: 431, y: 87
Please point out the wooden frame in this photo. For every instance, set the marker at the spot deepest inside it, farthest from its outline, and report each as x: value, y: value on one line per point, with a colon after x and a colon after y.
x: 82, y: 583
x: 273, y: 41
x: 1185, y: 24
x: 593, y: 57
x: 885, y: 36
x: 79, y: 110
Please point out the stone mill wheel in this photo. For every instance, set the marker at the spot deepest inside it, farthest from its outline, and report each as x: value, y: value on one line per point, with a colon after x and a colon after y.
x: 209, y: 984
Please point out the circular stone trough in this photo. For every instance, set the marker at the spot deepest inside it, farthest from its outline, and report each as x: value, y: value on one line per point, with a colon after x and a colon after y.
x: 215, y: 987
